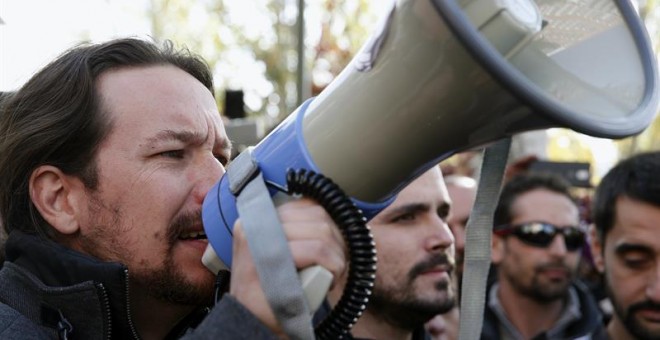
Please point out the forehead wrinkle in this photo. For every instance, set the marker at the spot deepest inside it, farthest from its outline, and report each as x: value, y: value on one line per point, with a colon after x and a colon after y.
x: 223, y: 142
x: 182, y: 136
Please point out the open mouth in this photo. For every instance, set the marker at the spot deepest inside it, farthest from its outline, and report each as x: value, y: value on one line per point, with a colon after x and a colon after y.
x: 192, y: 235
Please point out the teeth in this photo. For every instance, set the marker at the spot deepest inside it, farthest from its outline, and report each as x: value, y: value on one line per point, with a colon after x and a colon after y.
x: 193, y: 235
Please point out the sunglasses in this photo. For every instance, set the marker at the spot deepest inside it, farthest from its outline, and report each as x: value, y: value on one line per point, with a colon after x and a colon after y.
x: 540, y: 234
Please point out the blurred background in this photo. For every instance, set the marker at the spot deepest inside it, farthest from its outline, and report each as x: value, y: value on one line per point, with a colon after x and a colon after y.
x: 267, y: 57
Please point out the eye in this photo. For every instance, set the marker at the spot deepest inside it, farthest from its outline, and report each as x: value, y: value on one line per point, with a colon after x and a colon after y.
x: 404, y: 218
x: 444, y: 212
x: 636, y: 261
x: 177, y: 154
x: 223, y: 159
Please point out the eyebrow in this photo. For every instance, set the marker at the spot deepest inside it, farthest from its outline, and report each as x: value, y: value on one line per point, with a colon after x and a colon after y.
x: 417, y: 207
x: 186, y: 137
x: 408, y: 208
x: 183, y: 136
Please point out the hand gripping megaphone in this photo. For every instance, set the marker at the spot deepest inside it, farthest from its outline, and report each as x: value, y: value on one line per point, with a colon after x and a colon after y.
x: 441, y: 76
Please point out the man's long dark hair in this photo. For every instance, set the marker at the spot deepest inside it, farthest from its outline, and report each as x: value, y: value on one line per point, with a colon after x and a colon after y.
x: 57, y: 119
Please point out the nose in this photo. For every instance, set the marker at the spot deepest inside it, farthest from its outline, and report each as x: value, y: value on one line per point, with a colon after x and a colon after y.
x: 440, y: 237
x: 206, y: 174
x: 557, y: 247
x: 458, y: 230
x: 653, y: 286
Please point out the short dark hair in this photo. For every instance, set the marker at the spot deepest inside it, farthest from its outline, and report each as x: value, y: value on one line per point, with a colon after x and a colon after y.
x: 524, y: 183
x: 635, y: 177
x: 57, y: 119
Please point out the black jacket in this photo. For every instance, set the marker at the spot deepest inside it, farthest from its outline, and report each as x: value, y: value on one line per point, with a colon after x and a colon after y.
x: 590, y: 325
x: 48, y: 291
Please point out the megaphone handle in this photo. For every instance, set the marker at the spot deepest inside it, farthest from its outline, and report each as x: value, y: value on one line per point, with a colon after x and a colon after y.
x: 360, y: 243
x: 269, y: 247
x: 315, y: 282
x: 273, y: 259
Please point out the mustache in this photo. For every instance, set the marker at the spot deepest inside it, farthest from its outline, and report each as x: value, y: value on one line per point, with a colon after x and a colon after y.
x: 440, y: 259
x: 644, y: 305
x: 554, y: 265
x: 182, y: 223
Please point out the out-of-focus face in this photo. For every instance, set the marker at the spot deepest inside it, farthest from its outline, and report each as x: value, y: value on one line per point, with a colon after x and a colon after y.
x: 462, y: 198
x: 415, y: 254
x: 444, y: 326
x: 540, y: 273
x: 630, y: 258
x: 167, y: 147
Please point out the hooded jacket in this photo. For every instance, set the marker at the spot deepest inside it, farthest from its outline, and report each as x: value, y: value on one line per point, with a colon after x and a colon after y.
x: 48, y: 291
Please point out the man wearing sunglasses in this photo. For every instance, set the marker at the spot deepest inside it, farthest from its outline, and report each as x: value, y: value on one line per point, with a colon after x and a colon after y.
x: 537, y: 241
x: 626, y: 245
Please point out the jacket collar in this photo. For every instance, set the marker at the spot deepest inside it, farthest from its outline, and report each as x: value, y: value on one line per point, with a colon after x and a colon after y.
x: 58, y: 268
x: 582, y: 304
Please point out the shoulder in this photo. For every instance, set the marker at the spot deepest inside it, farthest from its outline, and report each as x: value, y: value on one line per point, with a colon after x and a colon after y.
x: 14, y: 325
x: 230, y: 320
x: 591, y: 321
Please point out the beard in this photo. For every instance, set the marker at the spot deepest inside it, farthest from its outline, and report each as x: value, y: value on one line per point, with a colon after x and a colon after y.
x: 168, y: 283
x: 400, y: 305
x: 630, y: 322
x: 165, y: 282
x: 542, y: 292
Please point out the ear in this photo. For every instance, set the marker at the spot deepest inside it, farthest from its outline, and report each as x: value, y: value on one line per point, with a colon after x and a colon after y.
x: 596, y: 249
x: 56, y: 196
x: 497, y: 249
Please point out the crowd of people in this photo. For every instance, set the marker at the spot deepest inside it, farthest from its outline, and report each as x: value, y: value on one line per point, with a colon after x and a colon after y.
x: 107, y: 154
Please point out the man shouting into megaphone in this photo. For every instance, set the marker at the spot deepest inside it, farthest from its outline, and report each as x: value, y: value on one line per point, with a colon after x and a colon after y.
x: 107, y: 154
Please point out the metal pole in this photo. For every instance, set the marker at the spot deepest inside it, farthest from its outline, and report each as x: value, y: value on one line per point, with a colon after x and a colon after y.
x: 301, y: 86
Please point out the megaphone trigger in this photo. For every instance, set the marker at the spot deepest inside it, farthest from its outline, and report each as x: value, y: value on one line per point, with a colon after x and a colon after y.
x: 211, y: 260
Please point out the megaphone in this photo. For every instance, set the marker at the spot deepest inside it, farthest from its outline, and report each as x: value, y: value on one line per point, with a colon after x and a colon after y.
x: 439, y: 76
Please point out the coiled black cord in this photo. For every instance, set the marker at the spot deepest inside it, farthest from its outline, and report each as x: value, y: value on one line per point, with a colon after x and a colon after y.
x: 361, y: 246
x: 221, y: 284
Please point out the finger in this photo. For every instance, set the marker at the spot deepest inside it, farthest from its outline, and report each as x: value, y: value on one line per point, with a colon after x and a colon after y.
x: 303, y: 208
x: 307, y: 253
x: 321, y: 230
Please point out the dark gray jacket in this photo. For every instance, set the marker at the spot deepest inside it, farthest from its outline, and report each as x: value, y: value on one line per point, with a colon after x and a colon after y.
x: 48, y: 291
x: 589, y: 326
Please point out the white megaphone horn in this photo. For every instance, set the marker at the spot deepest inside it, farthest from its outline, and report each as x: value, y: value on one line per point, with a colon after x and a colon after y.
x: 442, y: 76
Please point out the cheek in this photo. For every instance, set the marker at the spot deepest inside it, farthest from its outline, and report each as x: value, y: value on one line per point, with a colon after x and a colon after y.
x: 158, y: 198
x: 519, y: 259
x: 394, y: 261
x: 573, y: 260
x: 628, y: 286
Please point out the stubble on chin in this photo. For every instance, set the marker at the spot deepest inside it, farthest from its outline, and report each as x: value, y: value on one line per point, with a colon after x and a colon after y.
x: 163, y: 281
x: 409, y: 306
x: 169, y: 282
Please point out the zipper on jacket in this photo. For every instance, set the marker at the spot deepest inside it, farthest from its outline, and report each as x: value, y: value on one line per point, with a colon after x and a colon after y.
x: 64, y: 327
x: 106, y: 308
x: 128, y: 305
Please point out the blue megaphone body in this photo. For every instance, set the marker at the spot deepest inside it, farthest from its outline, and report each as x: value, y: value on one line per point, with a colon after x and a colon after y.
x: 283, y: 150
